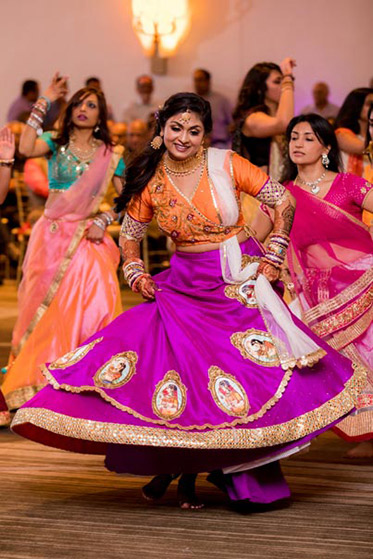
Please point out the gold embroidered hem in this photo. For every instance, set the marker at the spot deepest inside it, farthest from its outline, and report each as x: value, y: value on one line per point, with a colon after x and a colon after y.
x: 20, y: 396
x: 292, y: 430
x: 341, y: 299
x: 244, y: 420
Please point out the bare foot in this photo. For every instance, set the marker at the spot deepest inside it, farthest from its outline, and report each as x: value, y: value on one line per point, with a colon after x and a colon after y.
x: 186, y: 494
x: 361, y: 450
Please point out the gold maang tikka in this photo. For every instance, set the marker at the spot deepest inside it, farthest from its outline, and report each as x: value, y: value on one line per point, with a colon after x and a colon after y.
x: 185, y: 117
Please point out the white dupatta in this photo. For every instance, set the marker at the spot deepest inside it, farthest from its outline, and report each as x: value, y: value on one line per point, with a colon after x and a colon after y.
x: 294, y: 347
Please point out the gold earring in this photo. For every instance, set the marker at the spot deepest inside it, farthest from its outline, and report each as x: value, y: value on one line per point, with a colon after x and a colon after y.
x: 156, y: 142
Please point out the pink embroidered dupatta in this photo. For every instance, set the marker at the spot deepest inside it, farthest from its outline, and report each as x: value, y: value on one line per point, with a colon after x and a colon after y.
x: 331, y: 264
x: 55, y: 238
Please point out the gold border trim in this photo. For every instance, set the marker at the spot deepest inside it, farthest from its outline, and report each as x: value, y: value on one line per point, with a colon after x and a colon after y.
x: 86, y: 349
x: 117, y: 433
x: 214, y: 374
x: 170, y: 376
x: 341, y: 339
x: 237, y: 342
x: 342, y: 298
x: 131, y: 357
x: 345, y: 317
x: 16, y: 398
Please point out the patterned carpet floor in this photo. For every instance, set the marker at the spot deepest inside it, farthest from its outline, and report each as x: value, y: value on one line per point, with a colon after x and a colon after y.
x: 57, y: 505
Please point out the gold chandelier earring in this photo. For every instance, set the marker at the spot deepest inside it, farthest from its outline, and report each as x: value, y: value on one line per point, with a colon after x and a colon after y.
x: 156, y: 142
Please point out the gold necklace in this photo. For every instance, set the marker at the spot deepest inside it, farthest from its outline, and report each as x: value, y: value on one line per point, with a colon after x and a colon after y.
x: 83, y: 154
x: 188, y: 198
x: 185, y: 167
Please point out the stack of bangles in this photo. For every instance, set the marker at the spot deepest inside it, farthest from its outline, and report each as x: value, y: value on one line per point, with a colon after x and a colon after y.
x: 276, y: 249
x: 133, y: 272
x: 287, y: 82
x: 38, y: 113
x: 103, y: 220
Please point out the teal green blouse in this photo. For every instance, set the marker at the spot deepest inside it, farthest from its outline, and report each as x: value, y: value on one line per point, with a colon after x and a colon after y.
x: 64, y: 167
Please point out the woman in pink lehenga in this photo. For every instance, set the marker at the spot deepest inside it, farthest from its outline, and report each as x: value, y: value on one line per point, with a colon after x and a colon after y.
x: 331, y: 257
x: 69, y: 288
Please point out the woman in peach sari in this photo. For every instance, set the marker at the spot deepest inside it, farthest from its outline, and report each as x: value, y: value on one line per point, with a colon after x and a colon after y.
x: 69, y: 288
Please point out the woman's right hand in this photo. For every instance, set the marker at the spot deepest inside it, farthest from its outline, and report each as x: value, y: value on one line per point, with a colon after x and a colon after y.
x: 147, y: 287
x: 58, y: 88
x: 287, y: 65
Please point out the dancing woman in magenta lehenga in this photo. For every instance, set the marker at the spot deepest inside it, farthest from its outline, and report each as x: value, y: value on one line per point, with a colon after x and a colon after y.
x: 212, y: 372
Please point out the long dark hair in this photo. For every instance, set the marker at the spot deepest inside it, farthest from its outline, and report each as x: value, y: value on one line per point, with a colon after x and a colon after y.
x: 251, y: 99
x: 324, y: 132
x: 66, y: 127
x: 142, y: 168
x: 368, y: 137
x: 252, y: 93
x: 349, y: 113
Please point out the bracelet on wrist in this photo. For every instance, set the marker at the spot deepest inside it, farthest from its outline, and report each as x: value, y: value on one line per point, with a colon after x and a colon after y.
x: 6, y: 162
x: 100, y: 223
x: 291, y: 76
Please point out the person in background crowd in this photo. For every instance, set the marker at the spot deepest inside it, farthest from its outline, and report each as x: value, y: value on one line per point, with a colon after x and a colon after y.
x: 22, y: 106
x: 7, y: 151
x: 118, y: 132
x: 95, y: 83
x: 69, y: 286
x: 321, y: 106
x: 145, y: 105
x: 351, y: 127
x: 264, y: 108
x: 221, y: 109
x: 137, y: 137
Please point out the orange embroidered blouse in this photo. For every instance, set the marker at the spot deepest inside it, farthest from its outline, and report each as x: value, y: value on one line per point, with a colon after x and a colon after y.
x: 195, y: 221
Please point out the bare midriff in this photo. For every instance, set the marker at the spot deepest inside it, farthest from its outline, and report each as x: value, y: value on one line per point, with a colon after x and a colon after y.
x: 241, y: 237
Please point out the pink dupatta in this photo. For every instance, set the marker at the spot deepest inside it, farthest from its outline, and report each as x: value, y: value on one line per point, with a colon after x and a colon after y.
x: 55, y: 238
x: 331, y: 264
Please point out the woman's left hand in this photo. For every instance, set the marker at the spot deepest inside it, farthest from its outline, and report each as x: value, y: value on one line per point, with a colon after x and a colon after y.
x: 270, y: 272
x: 7, y: 144
x: 95, y: 234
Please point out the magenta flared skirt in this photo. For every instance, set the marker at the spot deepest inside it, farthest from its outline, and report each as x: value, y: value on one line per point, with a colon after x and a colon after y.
x: 189, y: 382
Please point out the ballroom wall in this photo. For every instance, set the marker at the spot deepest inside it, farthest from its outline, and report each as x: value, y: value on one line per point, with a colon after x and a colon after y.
x: 332, y: 40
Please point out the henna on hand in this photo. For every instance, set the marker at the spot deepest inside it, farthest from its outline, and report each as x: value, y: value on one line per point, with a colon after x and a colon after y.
x: 284, y: 214
x: 270, y: 272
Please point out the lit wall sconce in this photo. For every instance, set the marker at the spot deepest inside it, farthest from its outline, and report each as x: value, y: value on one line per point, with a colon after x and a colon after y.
x: 160, y: 26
